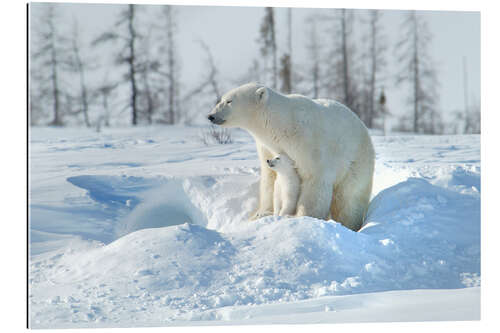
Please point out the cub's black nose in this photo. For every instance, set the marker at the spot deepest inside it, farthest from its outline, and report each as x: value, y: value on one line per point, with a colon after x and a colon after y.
x: 267, y: 161
x: 211, y: 118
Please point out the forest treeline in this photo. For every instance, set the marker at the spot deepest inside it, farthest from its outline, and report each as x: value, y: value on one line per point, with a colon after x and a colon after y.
x: 343, y: 63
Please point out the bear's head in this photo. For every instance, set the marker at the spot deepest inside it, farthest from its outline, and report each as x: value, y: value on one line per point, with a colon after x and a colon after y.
x: 238, y: 107
x: 281, y: 163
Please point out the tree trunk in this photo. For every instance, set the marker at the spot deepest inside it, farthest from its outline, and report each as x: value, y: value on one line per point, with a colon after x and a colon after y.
x: 83, y: 88
x: 273, y: 47
x: 416, y: 77
x: 314, y: 55
x: 289, y: 82
x: 171, y: 67
x: 85, y: 103
x: 373, y: 76
x: 131, y: 61
x: 55, y: 88
x: 345, y: 61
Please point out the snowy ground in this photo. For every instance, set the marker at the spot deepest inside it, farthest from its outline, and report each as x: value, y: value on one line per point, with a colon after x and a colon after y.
x: 148, y: 227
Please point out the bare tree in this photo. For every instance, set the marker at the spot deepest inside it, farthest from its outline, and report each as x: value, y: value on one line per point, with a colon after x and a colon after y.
x: 345, y: 59
x: 467, y: 121
x: 77, y: 64
x: 286, y: 59
x: 377, y: 62
x: 49, y: 53
x: 105, y: 91
x: 286, y: 74
x: 127, y: 54
x: 341, y: 74
x: 39, y: 92
x: 418, y: 71
x: 147, y: 67
x: 471, y: 117
x: 131, y: 59
x: 170, y: 65
x: 172, y: 62
x: 268, y: 43
x: 314, y: 56
x: 210, y: 84
x: 474, y: 118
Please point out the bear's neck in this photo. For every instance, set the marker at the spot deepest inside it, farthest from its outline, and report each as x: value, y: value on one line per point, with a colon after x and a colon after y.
x: 271, y: 128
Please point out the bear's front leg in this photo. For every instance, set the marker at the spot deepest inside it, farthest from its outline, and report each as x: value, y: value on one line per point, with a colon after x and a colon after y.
x: 266, y: 186
x: 315, y: 198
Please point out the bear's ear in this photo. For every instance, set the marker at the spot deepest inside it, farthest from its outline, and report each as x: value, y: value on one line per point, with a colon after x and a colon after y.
x: 262, y: 95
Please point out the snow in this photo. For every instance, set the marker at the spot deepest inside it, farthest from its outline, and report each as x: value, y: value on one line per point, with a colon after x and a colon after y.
x: 149, y: 227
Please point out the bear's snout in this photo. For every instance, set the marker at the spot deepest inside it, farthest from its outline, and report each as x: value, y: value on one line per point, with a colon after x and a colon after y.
x: 215, y: 120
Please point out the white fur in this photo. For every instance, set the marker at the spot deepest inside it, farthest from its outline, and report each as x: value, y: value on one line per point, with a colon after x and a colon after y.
x: 331, y: 147
x: 286, y: 186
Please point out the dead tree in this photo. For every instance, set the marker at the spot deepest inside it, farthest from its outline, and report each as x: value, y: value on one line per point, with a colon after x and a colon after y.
x: 286, y: 74
x: 210, y: 84
x: 212, y: 77
x: 345, y: 60
x: 49, y: 54
x: 341, y: 74
x: 105, y: 91
x: 417, y: 70
x: 314, y: 56
x: 286, y: 59
x: 377, y: 62
x: 78, y: 65
x: 268, y: 43
x: 170, y: 65
x: 147, y: 68
x: 127, y: 54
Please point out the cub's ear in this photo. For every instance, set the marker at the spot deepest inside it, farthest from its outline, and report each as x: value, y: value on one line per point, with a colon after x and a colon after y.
x: 262, y: 95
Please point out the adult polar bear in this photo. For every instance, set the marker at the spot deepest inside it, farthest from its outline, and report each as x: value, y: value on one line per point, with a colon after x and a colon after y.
x: 330, y: 145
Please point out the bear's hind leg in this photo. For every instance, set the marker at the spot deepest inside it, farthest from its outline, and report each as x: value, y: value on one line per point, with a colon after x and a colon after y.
x: 349, y: 204
x: 315, y: 198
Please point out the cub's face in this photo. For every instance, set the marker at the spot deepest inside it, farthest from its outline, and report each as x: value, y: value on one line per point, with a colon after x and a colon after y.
x: 274, y: 163
x: 237, y: 108
x: 280, y: 163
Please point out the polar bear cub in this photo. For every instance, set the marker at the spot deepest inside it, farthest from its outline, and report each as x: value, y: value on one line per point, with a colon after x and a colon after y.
x: 286, y: 186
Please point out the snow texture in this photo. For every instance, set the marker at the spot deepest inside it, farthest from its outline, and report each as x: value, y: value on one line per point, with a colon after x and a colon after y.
x: 149, y: 227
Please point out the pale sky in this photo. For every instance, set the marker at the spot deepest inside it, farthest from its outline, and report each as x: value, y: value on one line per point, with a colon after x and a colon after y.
x: 231, y: 33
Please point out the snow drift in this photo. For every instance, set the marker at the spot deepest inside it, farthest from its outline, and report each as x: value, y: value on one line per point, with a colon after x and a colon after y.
x: 167, y: 249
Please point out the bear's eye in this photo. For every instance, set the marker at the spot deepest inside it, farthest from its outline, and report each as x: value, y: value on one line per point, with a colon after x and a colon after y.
x: 278, y: 158
x: 229, y: 102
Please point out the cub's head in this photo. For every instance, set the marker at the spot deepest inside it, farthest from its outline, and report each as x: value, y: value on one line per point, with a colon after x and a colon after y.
x: 238, y: 107
x: 281, y: 163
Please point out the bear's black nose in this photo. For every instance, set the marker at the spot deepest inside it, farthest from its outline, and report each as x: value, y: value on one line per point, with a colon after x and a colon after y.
x: 211, y: 118
x: 267, y: 161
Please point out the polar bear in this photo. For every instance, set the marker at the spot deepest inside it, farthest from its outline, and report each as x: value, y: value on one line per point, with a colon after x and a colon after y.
x: 286, y: 186
x: 330, y: 145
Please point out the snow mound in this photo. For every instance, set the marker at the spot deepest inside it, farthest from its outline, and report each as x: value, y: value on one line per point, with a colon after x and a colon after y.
x: 413, y: 240
x: 167, y: 205
x: 166, y: 241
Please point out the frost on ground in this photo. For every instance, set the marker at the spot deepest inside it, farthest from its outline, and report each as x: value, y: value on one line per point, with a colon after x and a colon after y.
x: 148, y: 227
